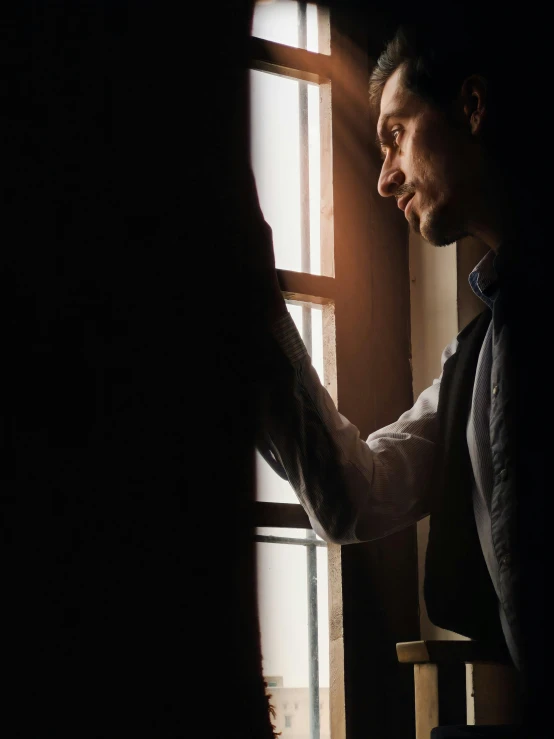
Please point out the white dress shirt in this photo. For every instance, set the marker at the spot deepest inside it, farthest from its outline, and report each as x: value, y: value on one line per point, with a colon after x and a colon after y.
x: 383, y: 481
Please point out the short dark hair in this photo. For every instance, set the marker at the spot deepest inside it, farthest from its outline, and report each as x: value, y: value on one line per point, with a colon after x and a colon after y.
x: 434, y: 63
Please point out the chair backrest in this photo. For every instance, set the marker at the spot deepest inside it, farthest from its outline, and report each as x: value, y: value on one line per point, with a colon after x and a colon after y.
x: 461, y: 682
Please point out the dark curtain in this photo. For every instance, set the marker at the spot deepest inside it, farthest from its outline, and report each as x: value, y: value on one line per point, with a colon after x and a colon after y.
x: 127, y: 409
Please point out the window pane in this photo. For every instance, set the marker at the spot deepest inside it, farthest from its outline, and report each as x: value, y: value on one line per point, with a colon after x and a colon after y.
x: 286, y: 158
x: 308, y: 321
x: 283, y: 609
x: 282, y: 21
x: 271, y: 488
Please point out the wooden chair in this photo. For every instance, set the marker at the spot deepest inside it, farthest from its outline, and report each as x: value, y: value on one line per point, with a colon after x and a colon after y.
x: 461, y: 682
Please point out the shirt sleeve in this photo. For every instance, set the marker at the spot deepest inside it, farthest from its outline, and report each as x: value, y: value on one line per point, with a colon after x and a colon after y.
x: 352, y: 490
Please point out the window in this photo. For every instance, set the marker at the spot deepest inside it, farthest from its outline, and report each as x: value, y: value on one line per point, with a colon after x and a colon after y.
x: 344, y: 275
x: 288, y: 722
x: 284, y: 22
x: 290, y: 125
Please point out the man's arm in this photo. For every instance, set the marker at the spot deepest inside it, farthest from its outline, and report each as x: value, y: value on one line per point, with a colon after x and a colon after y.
x: 353, y: 490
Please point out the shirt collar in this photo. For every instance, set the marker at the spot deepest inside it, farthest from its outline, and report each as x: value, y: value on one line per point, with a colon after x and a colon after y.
x: 483, y: 280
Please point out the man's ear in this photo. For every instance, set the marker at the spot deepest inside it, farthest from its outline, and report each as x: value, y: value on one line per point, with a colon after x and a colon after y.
x: 474, y: 101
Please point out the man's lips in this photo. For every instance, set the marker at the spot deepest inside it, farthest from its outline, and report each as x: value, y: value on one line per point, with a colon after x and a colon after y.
x: 404, y: 200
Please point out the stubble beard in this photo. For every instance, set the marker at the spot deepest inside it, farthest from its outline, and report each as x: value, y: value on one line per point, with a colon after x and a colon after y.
x: 437, y: 228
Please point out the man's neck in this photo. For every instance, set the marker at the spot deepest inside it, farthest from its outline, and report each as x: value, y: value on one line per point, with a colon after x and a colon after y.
x: 489, y: 235
x: 492, y: 221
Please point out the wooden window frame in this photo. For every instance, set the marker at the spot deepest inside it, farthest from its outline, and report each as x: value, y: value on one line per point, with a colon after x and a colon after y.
x: 368, y: 613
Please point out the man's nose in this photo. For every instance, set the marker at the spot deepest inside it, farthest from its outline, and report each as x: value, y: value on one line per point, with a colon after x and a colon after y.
x: 390, y: 180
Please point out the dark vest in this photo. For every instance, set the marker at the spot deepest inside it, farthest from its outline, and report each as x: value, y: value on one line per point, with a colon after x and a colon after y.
x: 459, y: 593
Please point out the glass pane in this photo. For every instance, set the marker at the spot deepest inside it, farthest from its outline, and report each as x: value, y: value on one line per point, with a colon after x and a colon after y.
x: 283, y: 608
x: 286, y: 158
x: 308, y: 321
x: 271, y: 488
x: 282, y: 21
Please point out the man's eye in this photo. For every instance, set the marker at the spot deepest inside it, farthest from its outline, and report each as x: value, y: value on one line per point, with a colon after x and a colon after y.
x: 395, y: 134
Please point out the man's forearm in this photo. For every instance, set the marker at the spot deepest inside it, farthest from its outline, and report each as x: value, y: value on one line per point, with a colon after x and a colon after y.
x: 356, y: 490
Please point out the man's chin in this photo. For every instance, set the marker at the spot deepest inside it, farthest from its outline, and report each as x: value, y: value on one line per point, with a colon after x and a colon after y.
x: 437, y: 233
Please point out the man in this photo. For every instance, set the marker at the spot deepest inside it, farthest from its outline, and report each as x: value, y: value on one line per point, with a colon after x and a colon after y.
x: 451, y: 454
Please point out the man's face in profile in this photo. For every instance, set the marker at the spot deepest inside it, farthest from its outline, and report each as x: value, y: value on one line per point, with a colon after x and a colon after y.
x: 428, y: 163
